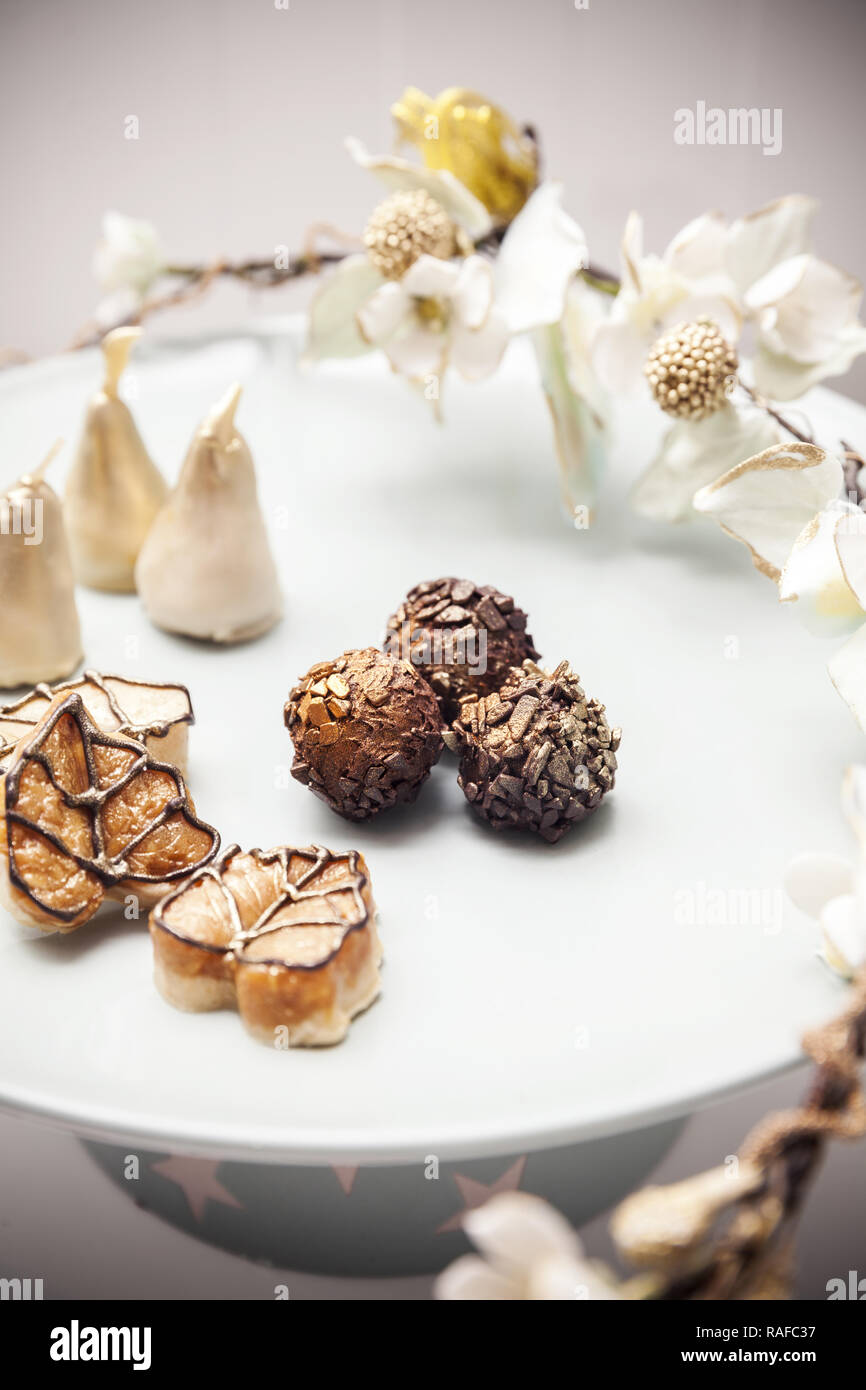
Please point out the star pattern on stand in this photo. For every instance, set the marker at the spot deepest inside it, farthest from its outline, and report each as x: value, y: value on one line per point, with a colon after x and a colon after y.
x: 197, y: 1179
x: 475, y: 1193
x: 346, y: 1175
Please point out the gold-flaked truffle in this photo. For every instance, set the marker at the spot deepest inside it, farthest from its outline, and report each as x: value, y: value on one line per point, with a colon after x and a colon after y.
x: 366, y: 729
x: 285, y: 936
x: 405, y: 226
x: 462, y: 637
x: 691, y: 370
x: 537, y: 755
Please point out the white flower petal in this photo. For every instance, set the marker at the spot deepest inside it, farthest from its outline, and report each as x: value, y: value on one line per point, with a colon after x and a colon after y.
x: 578, y: 424
x: 812, y: 301
x: 698, y: 251
x: 767, y: 500
x: 417, y: 351
x: 854, y: 801
x: 844, y: 932
x: 332, y: 329
x: 130, y: 256
x: 850, y: 538
x: 693, y: 453
x: 697, y: 304
x: 431, y: 278
x: 811, y: 880
x: 384, y: 312
x: 477, y: 352
x: 471, y: 1279
x: 399, y: 174
x: 813, y: 573
x: 631, y: 252
x: 560, y: 1277
x: 774, y: 233
x: 784, y: 379
x: 515, y: 1229
x: 847, y: 670
x: 542, y: 251
x: 473, y: 291
x: 619, y: 352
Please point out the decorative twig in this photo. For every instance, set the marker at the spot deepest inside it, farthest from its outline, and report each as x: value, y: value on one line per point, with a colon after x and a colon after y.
x: 664, y: 1229
x: 774, y: 414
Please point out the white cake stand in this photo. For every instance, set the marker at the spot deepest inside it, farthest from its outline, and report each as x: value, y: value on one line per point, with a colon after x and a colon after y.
x: 535, y: 998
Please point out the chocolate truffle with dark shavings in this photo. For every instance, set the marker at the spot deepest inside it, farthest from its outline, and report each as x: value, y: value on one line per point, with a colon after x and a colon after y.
x: 462, y: 637
x: 366, y: 729
x: 537, y: 755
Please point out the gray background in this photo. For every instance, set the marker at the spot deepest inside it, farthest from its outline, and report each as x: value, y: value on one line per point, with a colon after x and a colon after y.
x: 243, y: 109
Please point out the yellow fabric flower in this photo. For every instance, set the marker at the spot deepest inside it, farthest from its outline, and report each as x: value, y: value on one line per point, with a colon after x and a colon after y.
x: 462, y: 132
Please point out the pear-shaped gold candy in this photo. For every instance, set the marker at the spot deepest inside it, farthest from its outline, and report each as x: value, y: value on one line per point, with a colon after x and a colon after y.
x: 206, y: 568
x: 40, y: 637
x: 114, y: 489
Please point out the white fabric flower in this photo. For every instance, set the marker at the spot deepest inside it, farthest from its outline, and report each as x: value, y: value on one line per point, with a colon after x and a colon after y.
x: 528, y: 1252
x: 709, y: 268
x: 129, y: 257
x: 440, y: 312
x: 658, y: 292
x: 832, y: 890
x: 808, y: 329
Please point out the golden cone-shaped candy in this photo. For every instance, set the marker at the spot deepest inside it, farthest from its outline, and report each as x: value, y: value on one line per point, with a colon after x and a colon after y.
x: 40, y: 636
x: 206, y: 568
x: 114, y: 490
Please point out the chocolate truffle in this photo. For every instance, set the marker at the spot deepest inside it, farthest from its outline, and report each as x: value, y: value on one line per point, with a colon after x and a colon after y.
x: 536, y: 755
x: 366, y: 729
x: 463, y: 637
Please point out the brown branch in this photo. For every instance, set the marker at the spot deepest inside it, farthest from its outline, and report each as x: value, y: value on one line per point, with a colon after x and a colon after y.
x: 750, y: 1257
x: 774, y: 414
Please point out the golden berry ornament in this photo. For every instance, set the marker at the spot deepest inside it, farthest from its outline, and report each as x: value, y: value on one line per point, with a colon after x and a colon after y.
x: 405, y: 226
x: 691, y: 370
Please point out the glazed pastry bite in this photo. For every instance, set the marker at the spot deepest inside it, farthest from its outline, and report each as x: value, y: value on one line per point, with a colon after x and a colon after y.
x: 286, y: 936
x: 157, y: 715
x: 87, y: 815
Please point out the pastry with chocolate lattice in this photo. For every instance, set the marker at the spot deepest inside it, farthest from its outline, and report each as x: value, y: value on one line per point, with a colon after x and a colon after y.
x: 287, y: 937
x: 87, y: 815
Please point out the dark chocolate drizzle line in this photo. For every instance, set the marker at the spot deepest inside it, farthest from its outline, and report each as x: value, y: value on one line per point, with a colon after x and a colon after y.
x: 125, y: 724
x: 109, y: 871
x: 290, y: 893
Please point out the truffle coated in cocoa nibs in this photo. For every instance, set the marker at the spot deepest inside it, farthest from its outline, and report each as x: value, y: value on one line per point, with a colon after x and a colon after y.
x: 463, y: 637
x: 537, y: 755
x: 366, y: 729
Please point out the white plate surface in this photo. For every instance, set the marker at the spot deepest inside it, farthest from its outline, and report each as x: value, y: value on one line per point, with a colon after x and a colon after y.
x: 532, y: 995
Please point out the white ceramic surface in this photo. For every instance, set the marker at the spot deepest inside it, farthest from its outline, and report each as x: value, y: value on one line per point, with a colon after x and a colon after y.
x: 533, y: 995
